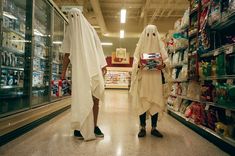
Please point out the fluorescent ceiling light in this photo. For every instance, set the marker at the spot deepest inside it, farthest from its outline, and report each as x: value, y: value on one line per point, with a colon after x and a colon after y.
x: 123, y: 16
x: 57, y: 42
x: 106, y: 43
x: 7, y: 14
x: 122, y: 33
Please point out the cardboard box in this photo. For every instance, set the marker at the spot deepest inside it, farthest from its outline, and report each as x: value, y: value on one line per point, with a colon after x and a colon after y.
x: 150, y: 61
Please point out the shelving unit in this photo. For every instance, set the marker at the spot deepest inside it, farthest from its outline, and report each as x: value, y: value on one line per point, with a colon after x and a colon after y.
x: 210, y: 69
x: 117, y: 78
x: 13, y: 51
x: 224, y: 22
x: 5, y: 29
x: 205, y: 102
x: 227, y: 143
x: 215, y: 52
x: 12, y: 68
x: 218, y: 77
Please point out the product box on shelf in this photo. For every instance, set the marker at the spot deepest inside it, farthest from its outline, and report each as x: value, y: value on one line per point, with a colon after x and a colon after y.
x: 36, y: 64
x: 9, y: 59
x: 11, y: 78
x: 38, y: 78
x: 60, y: 88
x: 22, y: 28
x: 55, y: 68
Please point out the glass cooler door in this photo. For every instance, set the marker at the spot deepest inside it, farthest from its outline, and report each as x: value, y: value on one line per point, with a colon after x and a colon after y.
x: 14, y: 84
x: 57, y: 55
x: 41, y: 53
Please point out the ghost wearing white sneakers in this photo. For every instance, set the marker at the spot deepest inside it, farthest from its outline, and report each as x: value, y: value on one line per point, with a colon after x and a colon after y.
x: 146, y: 86
x: 83, y: 45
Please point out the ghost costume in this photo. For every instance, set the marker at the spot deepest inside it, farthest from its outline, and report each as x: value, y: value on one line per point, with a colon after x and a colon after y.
x: 146, y: 87
x: 86, y: 56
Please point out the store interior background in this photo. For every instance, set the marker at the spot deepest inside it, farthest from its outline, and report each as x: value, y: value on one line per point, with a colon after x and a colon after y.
x: 104, y: 15
x: 200, y: 71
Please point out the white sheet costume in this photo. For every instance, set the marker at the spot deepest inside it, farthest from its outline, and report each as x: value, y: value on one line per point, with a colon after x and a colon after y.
x: 146, y: 87
x: 86, y: 55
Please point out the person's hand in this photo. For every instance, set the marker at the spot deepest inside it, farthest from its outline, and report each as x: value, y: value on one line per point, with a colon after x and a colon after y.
x: 140, y: 66
x: 104, y: 70
x: 62, y: 75
x: 160, y: 67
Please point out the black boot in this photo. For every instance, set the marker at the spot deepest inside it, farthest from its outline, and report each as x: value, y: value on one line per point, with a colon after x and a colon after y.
x: 142, y: 133
x: 156, y: 133
x: 77, y: 134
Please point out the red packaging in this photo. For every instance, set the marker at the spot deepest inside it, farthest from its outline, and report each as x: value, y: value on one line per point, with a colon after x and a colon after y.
x: 150, y: 61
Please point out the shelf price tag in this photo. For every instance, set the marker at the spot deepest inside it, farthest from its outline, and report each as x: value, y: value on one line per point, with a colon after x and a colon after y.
x: 207, y: 107
x: 230, y: 81
x: 229, y: 50
x: 216, y: 53
x: 228, y: 113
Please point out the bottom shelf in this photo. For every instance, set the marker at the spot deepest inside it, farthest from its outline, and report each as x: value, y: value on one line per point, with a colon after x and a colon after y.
x: 225, y: 143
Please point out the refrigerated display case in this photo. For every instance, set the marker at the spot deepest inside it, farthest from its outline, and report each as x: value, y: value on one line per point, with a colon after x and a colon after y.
x: 59, y: 88
x: 118, y: 78
x: 42, y: 31
x: 28, y: 29
x: 14, y: 88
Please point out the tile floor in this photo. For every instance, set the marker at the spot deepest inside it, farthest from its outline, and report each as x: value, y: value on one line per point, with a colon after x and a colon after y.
x: 119, y: 123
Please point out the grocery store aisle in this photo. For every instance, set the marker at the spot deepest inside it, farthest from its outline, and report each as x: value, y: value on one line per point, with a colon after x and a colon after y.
x: 120, y: 126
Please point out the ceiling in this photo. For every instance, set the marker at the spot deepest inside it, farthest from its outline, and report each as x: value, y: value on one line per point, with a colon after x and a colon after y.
x: 104, y: 15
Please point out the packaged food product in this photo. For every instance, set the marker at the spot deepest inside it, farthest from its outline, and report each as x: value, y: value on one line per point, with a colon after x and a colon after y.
x: 184, y: 72
x: 214, y: 15
x: 151, y: 61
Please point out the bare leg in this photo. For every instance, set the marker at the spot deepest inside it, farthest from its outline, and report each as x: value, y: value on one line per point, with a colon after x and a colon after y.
x: 95, y: 110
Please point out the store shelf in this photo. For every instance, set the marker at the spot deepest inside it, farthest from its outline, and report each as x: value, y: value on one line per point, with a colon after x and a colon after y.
x: 12, y: 95
x: 10, y: 87
x: 220, y: 106
x: 39, y: 71
x: 224, y: 22
x: 56, y: 74
x: 43, y: 58
x: 40, y: 44
x: 55, y: 62
x: 11, y: 30
x: 215, y: 52
x: 15, y: 51
x: 12, y: 68
x: 39, y: 87
x: 205, y: 102
x: 218, y: 77
x: 190, y: 121
x: 185, y: 97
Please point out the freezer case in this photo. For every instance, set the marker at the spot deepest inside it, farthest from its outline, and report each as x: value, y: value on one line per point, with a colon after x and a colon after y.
x: 41, y: 52
x: 15, y: 43
x: 59, y: 88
